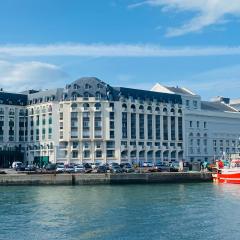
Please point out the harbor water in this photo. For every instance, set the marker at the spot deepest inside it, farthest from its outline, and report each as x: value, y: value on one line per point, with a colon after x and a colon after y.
x: 157, y: 211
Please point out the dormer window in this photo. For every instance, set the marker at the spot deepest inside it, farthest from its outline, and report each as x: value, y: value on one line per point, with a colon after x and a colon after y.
x: 75, y: 86
x: 87, y: 86
x: 99, y: 85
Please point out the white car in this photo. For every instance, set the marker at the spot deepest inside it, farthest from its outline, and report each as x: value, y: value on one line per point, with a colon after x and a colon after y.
x: 15, y: 164
x: 147, y: 164
x: 60, y: 168
x: 79, y: 168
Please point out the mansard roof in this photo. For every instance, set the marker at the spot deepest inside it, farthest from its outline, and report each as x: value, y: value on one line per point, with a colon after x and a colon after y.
x: 13, y: 99
x: 217, y: 106
x: 94, y: 87
x: 144, y: 95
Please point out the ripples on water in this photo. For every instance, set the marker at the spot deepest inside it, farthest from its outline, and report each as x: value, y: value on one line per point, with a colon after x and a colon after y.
x: 169, y: 211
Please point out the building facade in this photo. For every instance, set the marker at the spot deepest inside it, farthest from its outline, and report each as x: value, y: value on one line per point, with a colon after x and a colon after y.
x: 91, y: 121
x: 13, y: 127
x: 212, y: 128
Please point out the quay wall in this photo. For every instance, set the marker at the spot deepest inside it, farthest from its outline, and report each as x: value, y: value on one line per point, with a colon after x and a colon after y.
x: 95, y: 179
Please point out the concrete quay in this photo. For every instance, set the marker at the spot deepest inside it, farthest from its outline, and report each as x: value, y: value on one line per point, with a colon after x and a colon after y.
x: 108, y: 178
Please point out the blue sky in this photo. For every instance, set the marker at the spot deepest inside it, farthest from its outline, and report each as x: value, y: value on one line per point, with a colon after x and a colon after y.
x: 134, y: 43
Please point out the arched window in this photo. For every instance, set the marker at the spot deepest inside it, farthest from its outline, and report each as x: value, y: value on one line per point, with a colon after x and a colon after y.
x: 99, y: 85
x: 205, y: 135
x: 1, y: 111
x: 149, y: 108
x: 190, y: 134
x: 165, y: 110
x: 75, y: 86
x: 74, y: 105
x: 74, y: 96
x: 86, y: 106
x: 172, y: 110
x: 86, y: 95
x: 157, y: 109
x: 87, y: 86
x: 11, y: 111
x: 141, y: 107
x: 180, y: 111
x: 98, y: 106
x: 124, y: 106
x: 133, y: 107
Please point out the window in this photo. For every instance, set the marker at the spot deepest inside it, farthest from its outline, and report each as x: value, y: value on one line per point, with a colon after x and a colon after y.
x: 98, y: 144
x: 110, y: 144
x: 75, y: 154
x: 124, y: 125
x: 98, y: 106
x: 86, y: 154
x: 190, y: 124
x: 187, y: 103
x: 195, y: 104
x: 50, y: 119
x: 87, y: 86
x: 205, y: 124
x: 173, y: 133
x: 149, y: 126
x: 180, y: 129
x: 110, y: 153
x: 197, y: 124
x: 141, y: 126
x: 165, y: 127
x: 75, y: 144
x: 86, y: 145
x: 112, y: 135
x: 86, y: 106
x: 133, y: 125
x: 98, y: 154
x: 157, y: 126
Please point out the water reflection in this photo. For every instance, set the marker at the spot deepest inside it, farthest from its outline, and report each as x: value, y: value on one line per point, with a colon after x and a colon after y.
x: 172, y: 211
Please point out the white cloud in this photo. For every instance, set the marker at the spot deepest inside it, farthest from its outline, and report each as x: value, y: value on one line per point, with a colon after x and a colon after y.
x: 36, y: 75
x: 113, y: 50
x: 206, y: 12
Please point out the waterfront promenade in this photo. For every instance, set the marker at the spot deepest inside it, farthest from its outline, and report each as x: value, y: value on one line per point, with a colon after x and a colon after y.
x: 107, y: 178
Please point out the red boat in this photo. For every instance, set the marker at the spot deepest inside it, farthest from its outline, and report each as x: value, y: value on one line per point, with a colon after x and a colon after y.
x: 228, y: 175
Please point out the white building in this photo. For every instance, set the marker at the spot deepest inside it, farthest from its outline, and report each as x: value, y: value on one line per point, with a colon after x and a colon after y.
x: 91, y: 121
x: 212, y: 129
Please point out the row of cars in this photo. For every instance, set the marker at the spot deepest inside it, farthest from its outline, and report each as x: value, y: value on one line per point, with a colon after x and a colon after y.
x: 94, y: 168
x: 97, y: 168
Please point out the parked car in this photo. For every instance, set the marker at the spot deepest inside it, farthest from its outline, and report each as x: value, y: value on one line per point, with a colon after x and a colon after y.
x: 87, y: 167
x: 79, y: 168
x: 51, y: 167
x: 147, y: 164
x: 116, y: 169
x: 31, y: 168
x: 162, y: 167
x: 60, y: 168
x: 113, y: 165
x: 69, y: 169
x: 102, y: 169
x: 127, y: 167
x: 174, y: 167
x: 95, y: 165
x: 20, y: 167
x: 15, y: 164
